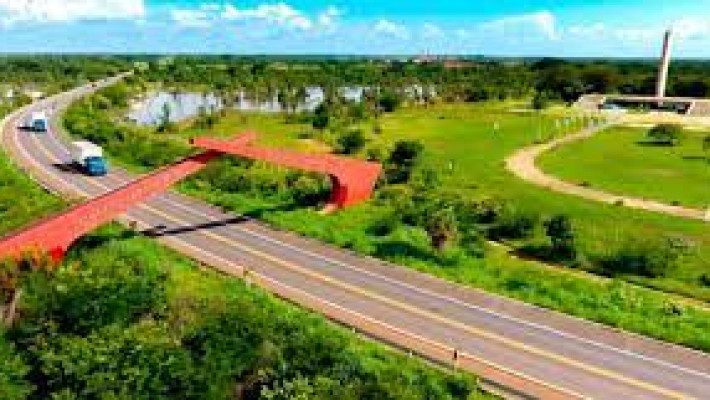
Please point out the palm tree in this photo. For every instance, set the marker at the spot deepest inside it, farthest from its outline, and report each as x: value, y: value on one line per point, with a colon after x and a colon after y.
x: 442, y: 228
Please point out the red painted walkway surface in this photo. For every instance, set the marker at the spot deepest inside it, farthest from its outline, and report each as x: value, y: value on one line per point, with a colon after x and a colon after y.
x: 353, y: 182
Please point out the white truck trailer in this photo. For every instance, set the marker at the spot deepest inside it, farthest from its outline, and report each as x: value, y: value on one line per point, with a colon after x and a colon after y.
x: 89, y: 157
x: 37, y: 122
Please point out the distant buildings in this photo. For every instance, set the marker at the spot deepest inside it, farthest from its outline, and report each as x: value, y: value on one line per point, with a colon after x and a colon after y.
x: 446, y: 62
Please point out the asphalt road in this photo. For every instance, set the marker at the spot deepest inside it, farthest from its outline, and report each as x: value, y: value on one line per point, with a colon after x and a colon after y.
x: 536, y: 351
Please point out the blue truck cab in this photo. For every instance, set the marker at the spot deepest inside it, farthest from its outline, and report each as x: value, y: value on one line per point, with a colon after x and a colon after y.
x: 89, y: 158
x: 95, y: 166
x: 37, y: 122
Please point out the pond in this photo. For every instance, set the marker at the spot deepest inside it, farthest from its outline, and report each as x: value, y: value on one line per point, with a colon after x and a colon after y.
x: 150, y: 111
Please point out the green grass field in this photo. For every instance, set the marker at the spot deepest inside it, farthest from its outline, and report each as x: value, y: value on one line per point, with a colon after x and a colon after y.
x: 21, y: 200
x: 618, y: 161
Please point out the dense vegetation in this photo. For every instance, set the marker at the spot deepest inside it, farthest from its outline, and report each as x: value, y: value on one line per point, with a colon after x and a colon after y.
x: 443, y: 195
x: 124, y: 318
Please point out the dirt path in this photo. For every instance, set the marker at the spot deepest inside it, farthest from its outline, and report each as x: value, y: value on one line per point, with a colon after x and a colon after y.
x: 522, y: 165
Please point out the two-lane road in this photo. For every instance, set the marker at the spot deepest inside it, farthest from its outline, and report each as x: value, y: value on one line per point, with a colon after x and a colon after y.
x: 536, y: 351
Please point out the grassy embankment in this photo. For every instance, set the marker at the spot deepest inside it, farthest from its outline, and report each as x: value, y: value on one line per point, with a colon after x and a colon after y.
x: 464, y: 135
x: 124, y: 317
x: 621, y: 161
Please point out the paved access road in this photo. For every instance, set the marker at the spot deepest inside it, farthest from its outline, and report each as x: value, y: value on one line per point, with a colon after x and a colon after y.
x: 522, y: 164
x: 536, y: 351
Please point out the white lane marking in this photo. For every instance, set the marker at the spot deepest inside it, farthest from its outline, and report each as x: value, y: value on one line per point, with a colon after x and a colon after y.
x: 434, y: 294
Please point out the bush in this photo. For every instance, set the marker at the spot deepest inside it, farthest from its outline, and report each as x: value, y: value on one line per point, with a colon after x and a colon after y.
x: 13, y: 385
x: 388, y: 101
x: 351, y: 142
x: 559, y: 230
x: 321, y: 121
x: 401, y: 162
x: 651, y: 259
x: 665, y: 134
x: 513, y: 223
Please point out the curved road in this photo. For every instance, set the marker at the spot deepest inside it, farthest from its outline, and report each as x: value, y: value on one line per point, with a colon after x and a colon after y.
x: 522, y: 164
x: 538, y: 352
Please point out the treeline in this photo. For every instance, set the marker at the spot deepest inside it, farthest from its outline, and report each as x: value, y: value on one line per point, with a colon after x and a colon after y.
x: 123, y: 318
x: 567, y: 80
x: 558, y: 79
x: 60, y: 72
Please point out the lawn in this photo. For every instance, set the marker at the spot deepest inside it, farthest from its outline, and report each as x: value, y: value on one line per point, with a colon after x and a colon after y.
x: 620, y: 161
x: 21, y: 200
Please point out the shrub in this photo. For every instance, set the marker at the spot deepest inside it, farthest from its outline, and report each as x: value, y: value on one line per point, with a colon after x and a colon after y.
x: 559, y: 230
x: 13, y: 370
x: 351, y: 142
x: 442, y: 227
x: 513, y: 223
x: 388, y: 101
x: 651, y: 259
x: 665, y: 134
x: 401, y: 162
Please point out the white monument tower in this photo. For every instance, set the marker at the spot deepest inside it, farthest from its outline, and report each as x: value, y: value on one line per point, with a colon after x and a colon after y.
x: 665, y: 63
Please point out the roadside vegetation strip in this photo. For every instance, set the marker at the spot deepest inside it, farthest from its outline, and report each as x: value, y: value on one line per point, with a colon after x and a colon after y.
x: 625, y: 160
x: 35, y: 203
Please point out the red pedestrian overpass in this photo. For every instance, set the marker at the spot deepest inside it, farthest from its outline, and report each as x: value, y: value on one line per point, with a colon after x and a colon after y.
x: 353, y: 182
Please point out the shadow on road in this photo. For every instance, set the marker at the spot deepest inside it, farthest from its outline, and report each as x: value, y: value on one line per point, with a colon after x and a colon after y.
x: 162, y: 230
x: 70, y: 168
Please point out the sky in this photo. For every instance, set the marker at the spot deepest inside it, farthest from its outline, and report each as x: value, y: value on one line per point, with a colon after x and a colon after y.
x: 516, y: 28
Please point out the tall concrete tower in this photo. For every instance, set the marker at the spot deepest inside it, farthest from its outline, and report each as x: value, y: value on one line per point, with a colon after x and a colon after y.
x: 665, y: 63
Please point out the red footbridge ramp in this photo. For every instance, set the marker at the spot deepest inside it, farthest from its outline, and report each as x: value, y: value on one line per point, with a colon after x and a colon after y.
x: 353, y: 182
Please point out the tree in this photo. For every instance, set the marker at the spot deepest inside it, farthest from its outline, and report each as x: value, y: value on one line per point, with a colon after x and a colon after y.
x: 351, y: 142
x: 402, y: 160
x: 388, y: 101
x: 166, y: 125
x: 321, y: 116
x: 442, y: 227
x: 540, y: 101
x: 561, y: 233
x: 665, y: 134
x: 13, y: 385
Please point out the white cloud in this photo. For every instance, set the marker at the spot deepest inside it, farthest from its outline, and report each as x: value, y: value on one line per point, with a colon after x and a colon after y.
x: 431, y: 31
x: 329, y: 17
x: 388, y: 28
x: 600, y: 32
x: 542, y: 23
x: 279, y: 15
x: 692, y: 28
x: 44, y: 11
x: 202, y: 17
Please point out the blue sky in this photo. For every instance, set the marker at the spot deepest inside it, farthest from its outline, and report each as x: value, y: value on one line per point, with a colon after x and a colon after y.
x: 582, y: 28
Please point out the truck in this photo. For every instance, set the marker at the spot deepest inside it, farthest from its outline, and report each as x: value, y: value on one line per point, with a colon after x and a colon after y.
x: 89, y: 158
x: 37, y: 122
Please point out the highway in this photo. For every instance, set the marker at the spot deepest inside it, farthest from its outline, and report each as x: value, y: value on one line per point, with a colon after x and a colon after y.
x: 537, y: 352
